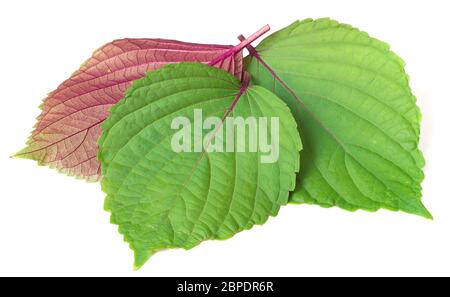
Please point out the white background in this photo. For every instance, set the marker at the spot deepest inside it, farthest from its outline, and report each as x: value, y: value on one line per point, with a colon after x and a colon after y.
x: 51, y: 224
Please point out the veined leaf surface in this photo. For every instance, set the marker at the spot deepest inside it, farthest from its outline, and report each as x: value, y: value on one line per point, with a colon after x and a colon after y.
x: 163, y: 199
x: 66, y: 133
x: 357, y: 116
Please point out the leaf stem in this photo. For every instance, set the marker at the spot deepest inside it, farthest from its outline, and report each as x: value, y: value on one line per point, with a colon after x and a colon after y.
x: 244, y: 43
x: 245, y: 84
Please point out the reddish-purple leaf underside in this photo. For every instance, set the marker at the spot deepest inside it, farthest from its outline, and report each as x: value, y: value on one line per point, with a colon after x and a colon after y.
x: 65, y: 136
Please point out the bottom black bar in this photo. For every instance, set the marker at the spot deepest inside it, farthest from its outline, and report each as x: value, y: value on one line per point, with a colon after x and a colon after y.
x: 226, y: 286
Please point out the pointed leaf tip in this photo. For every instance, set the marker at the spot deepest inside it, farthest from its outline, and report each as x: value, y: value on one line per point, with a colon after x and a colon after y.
x: 417, y: 208
x: 140, y: 258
